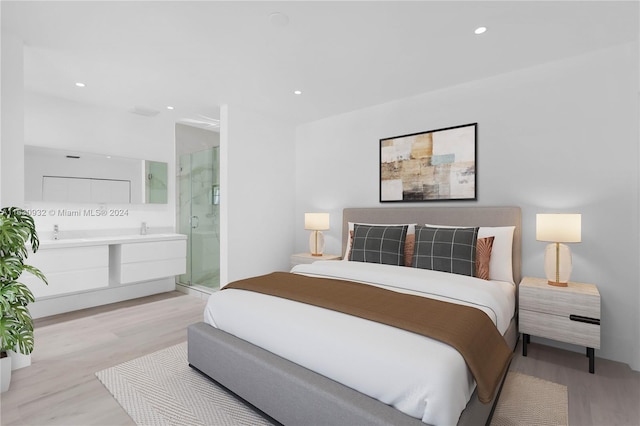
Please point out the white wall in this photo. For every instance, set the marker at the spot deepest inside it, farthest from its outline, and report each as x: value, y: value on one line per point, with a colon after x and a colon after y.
x: 559, y: 137
x: 59, y: 123
x: 12, y: 129
x: 192, y: 139
x: 257, y: 193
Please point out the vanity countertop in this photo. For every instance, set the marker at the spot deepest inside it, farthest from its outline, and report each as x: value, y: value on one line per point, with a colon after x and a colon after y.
x: 108, y: 240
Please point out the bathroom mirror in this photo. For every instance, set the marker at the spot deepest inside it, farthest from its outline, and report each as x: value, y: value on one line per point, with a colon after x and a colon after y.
x: 62, y: 175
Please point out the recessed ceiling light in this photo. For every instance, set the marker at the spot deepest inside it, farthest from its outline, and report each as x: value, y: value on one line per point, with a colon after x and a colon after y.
x: 278, y: 19
x: 297, y: 92
x: 169, y: 107
x: 78, y: 84
x: 480, y: 30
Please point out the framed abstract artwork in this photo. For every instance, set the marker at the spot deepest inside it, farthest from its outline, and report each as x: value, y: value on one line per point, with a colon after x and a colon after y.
x: 436, y: 165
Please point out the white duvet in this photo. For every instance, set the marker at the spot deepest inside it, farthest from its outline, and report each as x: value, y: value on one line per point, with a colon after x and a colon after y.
x: 417, y: 375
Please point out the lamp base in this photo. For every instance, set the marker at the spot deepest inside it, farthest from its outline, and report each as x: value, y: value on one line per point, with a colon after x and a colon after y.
x: 557, y: 264
x: 316, y: 243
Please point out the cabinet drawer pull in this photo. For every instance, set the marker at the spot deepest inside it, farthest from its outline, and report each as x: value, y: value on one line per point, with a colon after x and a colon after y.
x: 588, y: 320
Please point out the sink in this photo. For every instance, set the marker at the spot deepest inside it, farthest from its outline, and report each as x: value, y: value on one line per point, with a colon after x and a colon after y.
x: 111, y: 239
x: 136, y: 236
x: 64, y: 241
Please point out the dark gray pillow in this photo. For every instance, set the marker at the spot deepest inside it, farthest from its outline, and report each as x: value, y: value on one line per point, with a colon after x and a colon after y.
x: 378, y: 244
x: 446, y: 249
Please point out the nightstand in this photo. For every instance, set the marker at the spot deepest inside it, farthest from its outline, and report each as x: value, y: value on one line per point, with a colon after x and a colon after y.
x: 297, y: 259
x: 568, y: 314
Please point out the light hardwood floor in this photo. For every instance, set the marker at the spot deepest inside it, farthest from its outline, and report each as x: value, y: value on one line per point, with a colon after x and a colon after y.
x: 60, y: 387
x: 609, y: 397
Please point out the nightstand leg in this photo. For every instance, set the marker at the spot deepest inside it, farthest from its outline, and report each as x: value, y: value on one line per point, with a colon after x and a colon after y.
x: 525, y: 340
x: 592, y: 360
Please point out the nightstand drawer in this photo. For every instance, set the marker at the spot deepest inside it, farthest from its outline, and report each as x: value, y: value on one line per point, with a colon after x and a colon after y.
x: 559, y: 328
x: 563, y: 301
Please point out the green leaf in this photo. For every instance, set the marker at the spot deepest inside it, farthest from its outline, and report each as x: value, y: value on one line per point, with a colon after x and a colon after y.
x: 11, y: 268
x: 16, y: 228
x: 16, y: 294
x: 22, y: 315
x: 35, y: 271
x: 24, y: 341
x: 11, y: 239
x: 16, y: 331
x: 8, y: 330
x: 5, y: 303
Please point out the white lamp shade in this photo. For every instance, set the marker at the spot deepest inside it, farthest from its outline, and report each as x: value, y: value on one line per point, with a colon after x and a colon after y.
x: 316, y: 221
x: 559, y: 228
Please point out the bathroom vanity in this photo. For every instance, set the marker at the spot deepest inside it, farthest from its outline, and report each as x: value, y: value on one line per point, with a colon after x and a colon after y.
x: 86, y: 272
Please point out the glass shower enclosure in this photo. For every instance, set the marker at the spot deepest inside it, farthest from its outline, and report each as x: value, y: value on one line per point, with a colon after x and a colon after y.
x: 199, y: 216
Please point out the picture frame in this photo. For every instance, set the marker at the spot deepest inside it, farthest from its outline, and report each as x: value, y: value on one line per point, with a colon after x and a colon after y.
x: 435, y: 165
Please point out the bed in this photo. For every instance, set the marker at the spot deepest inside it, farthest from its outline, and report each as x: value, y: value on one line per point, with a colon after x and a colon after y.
x: 306, y: 375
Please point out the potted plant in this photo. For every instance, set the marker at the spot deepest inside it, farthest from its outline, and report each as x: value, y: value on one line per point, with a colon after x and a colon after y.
x: 17, y: 228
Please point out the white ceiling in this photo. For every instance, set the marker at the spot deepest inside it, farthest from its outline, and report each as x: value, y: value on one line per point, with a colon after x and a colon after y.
x: 344, y: 56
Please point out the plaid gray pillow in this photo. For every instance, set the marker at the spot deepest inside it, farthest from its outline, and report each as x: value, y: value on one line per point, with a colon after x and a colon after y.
x: 446, y: 249
x: 379, y: 244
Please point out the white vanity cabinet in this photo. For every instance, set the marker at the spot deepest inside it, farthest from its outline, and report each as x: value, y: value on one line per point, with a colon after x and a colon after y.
x: 68, y: 270
x: 94, y: 271
x: 144, y: 261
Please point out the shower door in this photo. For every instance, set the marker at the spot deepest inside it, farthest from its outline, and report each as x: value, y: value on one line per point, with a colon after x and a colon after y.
x: 199, y: 216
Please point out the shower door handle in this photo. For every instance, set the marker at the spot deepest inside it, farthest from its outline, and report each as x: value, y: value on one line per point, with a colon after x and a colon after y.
x: 195, y: 222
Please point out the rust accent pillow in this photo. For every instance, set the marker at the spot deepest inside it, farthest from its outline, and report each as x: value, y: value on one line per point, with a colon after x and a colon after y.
x: 350, y: 244
x: 409, y: 245
x: 483, y: 256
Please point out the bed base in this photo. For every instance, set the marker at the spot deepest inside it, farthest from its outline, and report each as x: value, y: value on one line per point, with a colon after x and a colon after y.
x: 294, y: 395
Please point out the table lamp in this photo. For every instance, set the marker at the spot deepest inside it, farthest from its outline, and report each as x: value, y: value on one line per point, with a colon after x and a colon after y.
x: 316, y: 222
x: 558, y: 228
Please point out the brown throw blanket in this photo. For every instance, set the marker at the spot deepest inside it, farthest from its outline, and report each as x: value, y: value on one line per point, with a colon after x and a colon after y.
x: 467, y: 329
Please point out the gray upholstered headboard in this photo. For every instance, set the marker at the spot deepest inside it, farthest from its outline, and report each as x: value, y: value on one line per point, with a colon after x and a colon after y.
x: 463, y: 216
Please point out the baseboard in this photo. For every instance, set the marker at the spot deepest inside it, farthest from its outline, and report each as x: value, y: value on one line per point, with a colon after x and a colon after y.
x: 98, y: 297
x: 194, y: 291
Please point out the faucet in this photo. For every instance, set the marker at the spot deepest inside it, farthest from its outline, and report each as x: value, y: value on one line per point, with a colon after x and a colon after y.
x: 143, y: 228
x: 55, y: 232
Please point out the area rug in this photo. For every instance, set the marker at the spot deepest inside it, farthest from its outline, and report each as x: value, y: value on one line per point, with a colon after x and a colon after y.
x: 161, y: 389
x: 527, y: 400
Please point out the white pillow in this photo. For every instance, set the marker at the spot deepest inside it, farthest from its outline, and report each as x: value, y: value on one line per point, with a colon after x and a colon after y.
x: 411, y: 230
x: 500, y: 264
